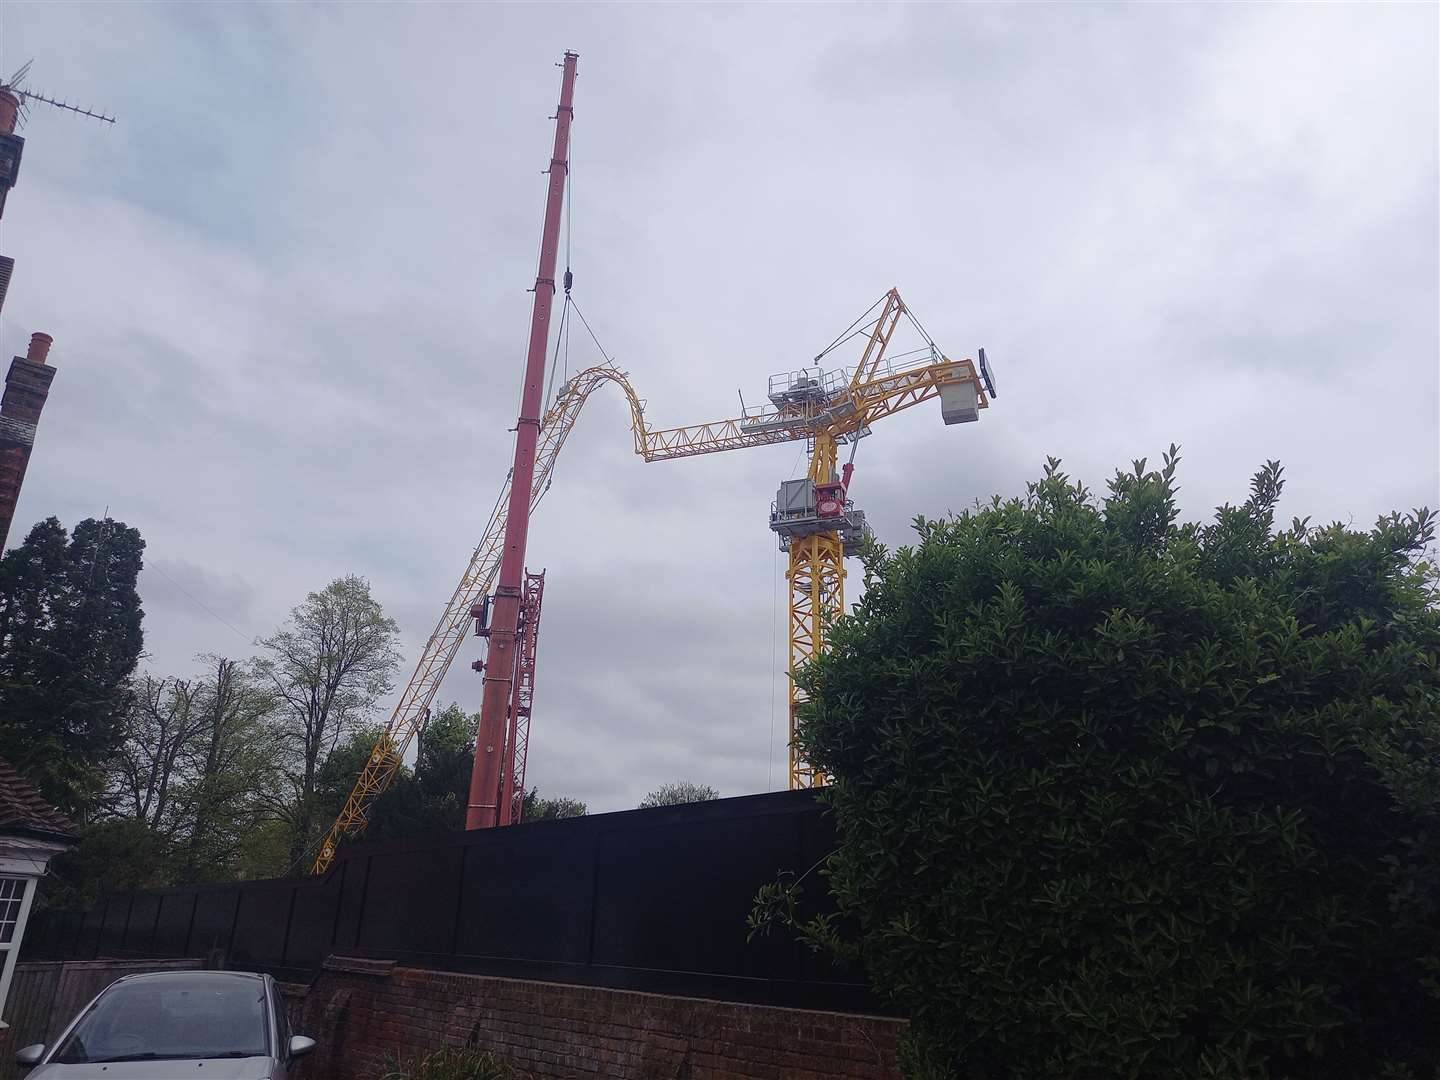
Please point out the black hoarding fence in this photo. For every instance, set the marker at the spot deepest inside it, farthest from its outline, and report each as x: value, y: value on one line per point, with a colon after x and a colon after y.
x: 649, y: 900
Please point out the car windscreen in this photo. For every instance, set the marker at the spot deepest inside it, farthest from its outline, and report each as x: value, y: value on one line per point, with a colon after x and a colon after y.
x: 197, y: 1017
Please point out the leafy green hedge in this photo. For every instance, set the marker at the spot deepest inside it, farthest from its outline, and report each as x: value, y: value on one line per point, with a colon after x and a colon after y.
x: 1123, y: 797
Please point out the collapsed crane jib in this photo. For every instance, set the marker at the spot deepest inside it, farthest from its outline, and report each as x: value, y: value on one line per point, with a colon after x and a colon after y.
x: 450, y: 631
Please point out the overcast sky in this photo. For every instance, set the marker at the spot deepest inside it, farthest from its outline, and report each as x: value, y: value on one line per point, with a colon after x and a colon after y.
x: 288, y: 296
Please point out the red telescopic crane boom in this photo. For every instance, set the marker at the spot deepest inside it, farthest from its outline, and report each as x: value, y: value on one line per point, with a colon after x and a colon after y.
x: 482, y: 810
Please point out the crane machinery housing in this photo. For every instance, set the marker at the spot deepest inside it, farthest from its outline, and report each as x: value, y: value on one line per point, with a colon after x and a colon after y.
x: 814, y: 518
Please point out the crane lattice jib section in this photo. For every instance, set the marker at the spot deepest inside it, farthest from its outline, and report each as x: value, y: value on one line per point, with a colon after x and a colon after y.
x: 886, y: 392
x: 853, y: 411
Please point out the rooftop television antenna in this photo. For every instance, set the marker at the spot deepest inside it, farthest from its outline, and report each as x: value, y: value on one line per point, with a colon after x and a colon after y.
x: 15, y: 110
x: 14, y: 86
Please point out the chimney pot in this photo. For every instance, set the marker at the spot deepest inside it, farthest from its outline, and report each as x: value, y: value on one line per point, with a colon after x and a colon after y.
x: 39, y: 347
x: 9, y: 112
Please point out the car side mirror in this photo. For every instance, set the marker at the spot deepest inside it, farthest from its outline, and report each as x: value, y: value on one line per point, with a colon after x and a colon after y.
x: 300, y: 1045
x: 27, y: 1057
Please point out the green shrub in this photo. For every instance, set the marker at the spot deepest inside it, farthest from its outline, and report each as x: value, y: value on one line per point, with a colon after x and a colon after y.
x: 452, y: 1063
x: 1123, y: 797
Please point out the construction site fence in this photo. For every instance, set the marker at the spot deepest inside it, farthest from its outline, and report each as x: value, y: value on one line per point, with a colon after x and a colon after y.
x: 653, y: 900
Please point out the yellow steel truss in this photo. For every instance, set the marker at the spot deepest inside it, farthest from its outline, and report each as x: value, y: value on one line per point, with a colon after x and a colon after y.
x: 817, y: 596
x: 881, y: 331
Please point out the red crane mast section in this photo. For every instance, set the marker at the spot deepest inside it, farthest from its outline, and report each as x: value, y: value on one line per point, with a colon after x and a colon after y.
x: 512, y: 794
x: 483, y: 807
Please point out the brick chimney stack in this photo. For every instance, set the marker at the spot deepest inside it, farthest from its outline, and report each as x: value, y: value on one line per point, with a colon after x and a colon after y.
x: 11, y: 145
x: 9, y: 166
x: 26, y: 388
x: 9, y: 112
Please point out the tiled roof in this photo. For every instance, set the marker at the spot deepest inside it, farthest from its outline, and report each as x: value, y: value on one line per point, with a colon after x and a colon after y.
x: 23, y: 807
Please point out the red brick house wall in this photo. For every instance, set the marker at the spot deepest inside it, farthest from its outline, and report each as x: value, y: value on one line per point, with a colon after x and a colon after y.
x: 363, y: 1011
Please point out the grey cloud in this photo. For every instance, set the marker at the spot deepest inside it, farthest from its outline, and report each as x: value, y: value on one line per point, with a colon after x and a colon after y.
x: 182, y: 582
x: 288, y: 295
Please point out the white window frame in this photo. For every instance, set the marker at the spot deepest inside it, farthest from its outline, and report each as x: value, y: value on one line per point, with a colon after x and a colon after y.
x: 10, y: 950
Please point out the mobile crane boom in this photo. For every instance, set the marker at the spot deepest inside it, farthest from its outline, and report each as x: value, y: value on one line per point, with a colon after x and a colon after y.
x: 483, y: 808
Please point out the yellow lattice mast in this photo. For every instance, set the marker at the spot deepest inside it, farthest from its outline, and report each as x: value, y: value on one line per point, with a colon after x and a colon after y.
x: 817, y: 595
x: 816, y: 521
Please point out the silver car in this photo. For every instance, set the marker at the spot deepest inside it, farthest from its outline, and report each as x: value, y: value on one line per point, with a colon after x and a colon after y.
x: 169, y: 1024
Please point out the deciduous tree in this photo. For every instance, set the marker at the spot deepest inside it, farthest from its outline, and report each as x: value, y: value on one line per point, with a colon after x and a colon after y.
x: 162, y: 724
x: 538, y: 808
x: 233, y: 769
x: 678, y: 793
x: 328, y: 666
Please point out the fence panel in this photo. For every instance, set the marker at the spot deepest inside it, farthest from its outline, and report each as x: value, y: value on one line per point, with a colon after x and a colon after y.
x: 644, y: 899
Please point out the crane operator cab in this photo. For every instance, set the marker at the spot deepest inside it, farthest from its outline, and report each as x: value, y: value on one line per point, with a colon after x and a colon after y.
x: 803, y: 508
x: 829, y: 500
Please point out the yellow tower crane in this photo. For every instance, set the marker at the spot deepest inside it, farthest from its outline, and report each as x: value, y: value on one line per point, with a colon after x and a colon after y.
x: 813, y: 516
x: 828, y: 407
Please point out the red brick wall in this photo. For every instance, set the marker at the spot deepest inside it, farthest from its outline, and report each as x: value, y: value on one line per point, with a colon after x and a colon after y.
x: 363, y: 1011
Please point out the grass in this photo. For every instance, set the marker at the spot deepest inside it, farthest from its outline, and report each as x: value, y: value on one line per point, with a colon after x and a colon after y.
x: 452, y: 1063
